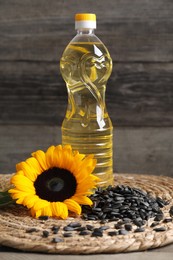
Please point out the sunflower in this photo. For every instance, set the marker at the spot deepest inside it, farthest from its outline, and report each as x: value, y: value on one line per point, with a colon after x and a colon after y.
x: 54, y: 182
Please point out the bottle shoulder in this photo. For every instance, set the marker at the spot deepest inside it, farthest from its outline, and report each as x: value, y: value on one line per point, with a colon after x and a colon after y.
x: 85, y: 38
x: 87, y: 43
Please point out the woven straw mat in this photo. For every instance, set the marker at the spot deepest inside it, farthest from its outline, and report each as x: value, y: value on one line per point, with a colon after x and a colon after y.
x: 15, y: 220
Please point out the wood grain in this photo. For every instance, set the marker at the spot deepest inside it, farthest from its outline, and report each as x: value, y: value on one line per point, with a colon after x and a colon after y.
x: 146, y: 150
x: 160, y: 254
x: 137, y: 94
x: 138, y: 35
x: 139, y: 31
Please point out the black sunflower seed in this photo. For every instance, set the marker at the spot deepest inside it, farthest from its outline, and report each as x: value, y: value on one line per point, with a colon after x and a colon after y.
x: 104, y: 227
x: 123, y: 232
x: 117, y: 205
x: 121, y: 222
x: 89, y: 227
x: 57, y: 240
x: 113, y: 218
x: 127, y: 220
x: 161, y: 202
x: 105, y: 210
x: 80, y: 228
x: 103, y: 221
x: 139, y: 229
x: 159, y: 229
x: 96, y: 209
x: 68, y: 234
x: 55, y: 229
x: 98, y: 230
x: 31, y: 230
x: 119, y: 198
x: 97, y: 234
x: 100, y: 214
x: 74, y: 224
x: 92, y: 217
x: 117, y: 226
x: 103, y: 216
x: 112, y: 233
x: 43, y: 218
x: 68, y: 228
x: 158, y: 217
x: 144, y: 203
x: 115, y: 210
x: 167, y: 220
x: 114, y: 213
x: 138, y: 223
x: 171, y: 211
x: 55, y: 232
x: 128, y: 227
x: 154, y: 224
x: 45, y: 233
x: 84, y: 233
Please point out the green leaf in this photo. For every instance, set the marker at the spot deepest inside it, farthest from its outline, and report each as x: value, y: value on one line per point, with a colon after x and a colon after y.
x: 5, y: 198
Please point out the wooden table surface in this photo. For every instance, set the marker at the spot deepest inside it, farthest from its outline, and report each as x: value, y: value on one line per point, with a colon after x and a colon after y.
x: 163, y: 253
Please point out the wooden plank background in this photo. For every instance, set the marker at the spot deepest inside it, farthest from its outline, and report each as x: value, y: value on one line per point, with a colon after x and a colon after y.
x: 146, y: 150
x: 139, y: 96
x: 138, y: 34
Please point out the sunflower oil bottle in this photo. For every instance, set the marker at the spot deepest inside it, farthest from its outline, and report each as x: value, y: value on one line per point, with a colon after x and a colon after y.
x: 86, y: 66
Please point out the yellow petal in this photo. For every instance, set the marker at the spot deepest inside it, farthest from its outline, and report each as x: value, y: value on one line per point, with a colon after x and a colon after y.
x: 38, y: 213
x: 73, y: 206
x: 18, y: 167
x: 20, y: 197
x: 20, y: 200
x: 85, y: 187
x: 67, y: 160
x: 41, y: 158
x: 14, y: 190
x: 30, y: 200
x: 20, y: 173
x: 78, y: 156
x: 39, y: 204
x: 82, y: 200
x: 34, y: 165
x: 32, y: 212
x: 16, y: 194
x: 58, y: 156
x: 63, y: 156
x: 59, y: 209
x: 23, y: 183
x: 50, y: 156
x: 58, y: 148
x: 64, y: 211
x: 67, y: 147
x: 85, y: 168
x: 35, y: 214
x: 86, y: 193
x: 55, y: 209
x: 46, y: 211
x: 28, y: 171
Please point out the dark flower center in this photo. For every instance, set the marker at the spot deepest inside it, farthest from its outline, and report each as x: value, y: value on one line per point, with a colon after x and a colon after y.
x: 55, y: 184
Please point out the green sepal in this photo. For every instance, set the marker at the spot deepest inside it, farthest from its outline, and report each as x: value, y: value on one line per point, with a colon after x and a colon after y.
x: 5, y: 198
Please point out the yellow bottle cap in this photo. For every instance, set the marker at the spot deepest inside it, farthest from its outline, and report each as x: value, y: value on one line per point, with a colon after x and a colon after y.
x: 85, y: 21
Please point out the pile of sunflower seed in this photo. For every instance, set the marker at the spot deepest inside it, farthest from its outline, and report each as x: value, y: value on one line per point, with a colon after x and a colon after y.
x: 124, y: 203
x: 128, y: 208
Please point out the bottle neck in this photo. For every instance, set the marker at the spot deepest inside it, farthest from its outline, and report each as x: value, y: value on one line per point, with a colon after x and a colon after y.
x: 85, y: 31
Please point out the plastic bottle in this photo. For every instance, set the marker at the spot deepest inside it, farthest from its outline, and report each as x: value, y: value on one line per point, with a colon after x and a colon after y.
x: 86, y: 66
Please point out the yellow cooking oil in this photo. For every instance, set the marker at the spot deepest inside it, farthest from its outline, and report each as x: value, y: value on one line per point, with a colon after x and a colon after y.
x: 86, y: 66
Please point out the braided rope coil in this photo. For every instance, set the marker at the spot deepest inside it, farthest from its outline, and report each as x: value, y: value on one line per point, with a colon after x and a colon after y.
x: 15, y: 220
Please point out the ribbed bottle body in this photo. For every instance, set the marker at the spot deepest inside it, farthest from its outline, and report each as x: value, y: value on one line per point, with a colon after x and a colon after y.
x: 86, y: 66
